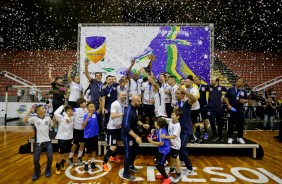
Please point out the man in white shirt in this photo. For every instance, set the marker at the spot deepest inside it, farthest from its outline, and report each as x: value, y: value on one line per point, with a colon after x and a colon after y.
x: 114, y: 130
x: 172, y: 90
x: 76, y: 90
x: 32, y: 93
x: 19, y: 95
x: 166, y: 88
x: 41, y: 123
x: 148, y: 102
x: 134, y: 82
x: 195, y: 107
x: 159, y: 97
x: 123, y: 87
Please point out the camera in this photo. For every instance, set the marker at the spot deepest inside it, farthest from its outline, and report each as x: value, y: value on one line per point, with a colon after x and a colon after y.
x: 255, y: 96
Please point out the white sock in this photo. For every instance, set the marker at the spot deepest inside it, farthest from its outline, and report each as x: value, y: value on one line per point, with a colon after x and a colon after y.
x: 71, y: 154
x: 92, y: 160
x: 80, y: 153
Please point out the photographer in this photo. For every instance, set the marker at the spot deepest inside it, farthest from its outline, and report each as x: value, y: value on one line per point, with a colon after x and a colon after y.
x: 269, y: 112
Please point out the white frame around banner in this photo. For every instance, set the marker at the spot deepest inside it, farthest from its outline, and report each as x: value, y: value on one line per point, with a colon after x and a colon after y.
x: 210, y: 25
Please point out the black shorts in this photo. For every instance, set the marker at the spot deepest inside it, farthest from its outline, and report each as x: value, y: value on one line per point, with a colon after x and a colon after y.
x: 113, y: 136
x: 91, y: 144
x: 78, y: 136
x: 174, y: 153
x: 194, y: 116
x: 64, y: 146
x: 148, y: 110
x: 203, y: 113
x: 161, y: 159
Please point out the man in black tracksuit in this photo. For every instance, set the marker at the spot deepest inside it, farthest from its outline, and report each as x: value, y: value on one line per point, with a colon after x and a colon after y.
x: 129, y: 136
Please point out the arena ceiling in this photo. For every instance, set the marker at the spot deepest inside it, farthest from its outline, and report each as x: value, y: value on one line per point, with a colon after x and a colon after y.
x: 52, y: 24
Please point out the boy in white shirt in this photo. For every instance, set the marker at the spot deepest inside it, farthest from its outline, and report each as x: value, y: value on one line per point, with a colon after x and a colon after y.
x: 174, y: 130
x: 78, y: 132
x: 64, y: 135
x: 42, y: 140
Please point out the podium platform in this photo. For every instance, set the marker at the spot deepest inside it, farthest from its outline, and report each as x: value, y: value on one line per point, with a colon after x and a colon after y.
x: 102, y: 145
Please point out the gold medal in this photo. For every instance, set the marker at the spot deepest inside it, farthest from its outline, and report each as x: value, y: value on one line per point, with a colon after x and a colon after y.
x: 109, y: 95
x: 237, y: 98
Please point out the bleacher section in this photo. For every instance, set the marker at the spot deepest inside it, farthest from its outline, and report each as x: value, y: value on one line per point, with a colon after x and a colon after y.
x: 254, y: 67
x: 33, y: 65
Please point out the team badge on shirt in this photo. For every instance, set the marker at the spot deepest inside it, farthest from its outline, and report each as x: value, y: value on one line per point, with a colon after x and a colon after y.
x: 46, y: 123
x: 219, y: 88
x: 93, y: 115
x: 130, y: 143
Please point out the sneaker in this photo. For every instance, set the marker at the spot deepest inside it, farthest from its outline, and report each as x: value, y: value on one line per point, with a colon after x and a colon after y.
x: 166, y: 181
x: 132, y: 168
x: 220, y: 139
x: 205, y: 136
x: 114, y: 159
x: 176, y: 179
x: 241, y: 140
x: 70, y: 161
x: 35, y: 176
x: 63, y: 167
x: 159, y: 176
x: 79, y: 161
x: 188, y: 171
x: 215, y: 139
x: 171, y: 171
x: 193, y: 139
x: 105, y: 167
x: 58, y: 168
x: 47, y: 173
x: 86, y: 167
x: 128, y: 177
x: 93, y: 166
x: 198, y: 141
x: 230, y: 141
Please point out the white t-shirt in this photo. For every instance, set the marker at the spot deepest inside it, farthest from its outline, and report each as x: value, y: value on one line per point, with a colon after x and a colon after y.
x: 87, y: 95
x: 194, y: 91
x: 165, y: 86
x: 50, y: 105
x: 125, y: 89
x: 32, y: 91
x: 65, y: 130
x: 174, y: 129
x: 135, y: 87
x: 172, y: 90
x: 148, y: 94
x: 78, y: 117
x: 75, y: 91
x: 160, y: 103
x: 19, y: 92
x: 115, y: 123
x: 42, y: 128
